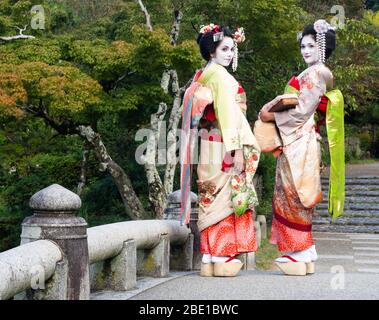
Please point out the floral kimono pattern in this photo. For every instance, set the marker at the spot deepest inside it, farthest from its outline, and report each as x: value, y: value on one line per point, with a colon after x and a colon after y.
x: 226, y: 199
x: 298, y: 186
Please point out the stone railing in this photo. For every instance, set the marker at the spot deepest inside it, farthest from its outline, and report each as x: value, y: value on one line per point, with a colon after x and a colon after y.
x: 23, y: 267
x: 60, y: 259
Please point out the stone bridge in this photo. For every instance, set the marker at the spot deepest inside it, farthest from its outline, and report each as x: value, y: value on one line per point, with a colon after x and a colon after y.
x: 60, y: 259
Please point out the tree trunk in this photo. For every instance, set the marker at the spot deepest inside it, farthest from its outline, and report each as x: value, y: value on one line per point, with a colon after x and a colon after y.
x: 157, y: 194
x: 147, y: 15
x: 83, y: 169
x: 172, y: 132
x: 133, y: 205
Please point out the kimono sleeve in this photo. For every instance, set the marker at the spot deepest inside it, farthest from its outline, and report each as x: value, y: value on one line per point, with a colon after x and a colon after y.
x: 228, y: 113
x: 312, y: 88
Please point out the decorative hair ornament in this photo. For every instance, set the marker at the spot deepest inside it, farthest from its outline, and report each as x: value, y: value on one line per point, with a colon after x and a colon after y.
x: 218, y: 36
x: 239, y: 37
x: 322, y: 27
x: 209, y: 28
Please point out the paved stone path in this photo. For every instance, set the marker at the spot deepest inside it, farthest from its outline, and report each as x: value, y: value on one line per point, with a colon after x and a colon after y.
x: 356, y: 170
x: 348, y: 268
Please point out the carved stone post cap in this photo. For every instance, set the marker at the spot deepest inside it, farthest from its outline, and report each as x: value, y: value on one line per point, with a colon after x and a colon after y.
x: 176, y: 196
x: 55, y: 198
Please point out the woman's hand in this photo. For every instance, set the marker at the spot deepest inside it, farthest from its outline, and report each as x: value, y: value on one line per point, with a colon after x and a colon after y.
x: 266, y: 116
x: 239, y: 164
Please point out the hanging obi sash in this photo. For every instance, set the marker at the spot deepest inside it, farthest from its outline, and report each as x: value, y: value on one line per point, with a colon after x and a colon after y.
x: 196, y: 98
x: 335, y: 129
x: 335, y: 132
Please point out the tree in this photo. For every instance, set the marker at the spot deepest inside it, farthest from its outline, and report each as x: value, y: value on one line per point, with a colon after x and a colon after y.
x: 73, y: 89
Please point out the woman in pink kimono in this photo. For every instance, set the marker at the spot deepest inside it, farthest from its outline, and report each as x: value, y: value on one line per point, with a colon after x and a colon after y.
x: 298, y: 186
x: 215, y: 103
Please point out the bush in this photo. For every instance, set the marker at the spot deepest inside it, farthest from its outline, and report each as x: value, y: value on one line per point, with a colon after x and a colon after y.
x: 266, y: 169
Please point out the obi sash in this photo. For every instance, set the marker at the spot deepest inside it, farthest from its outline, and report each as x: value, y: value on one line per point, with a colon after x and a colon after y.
x: 335, y: 133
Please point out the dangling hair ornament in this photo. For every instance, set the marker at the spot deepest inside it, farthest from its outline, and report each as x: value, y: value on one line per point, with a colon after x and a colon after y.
x: 239, y: 37
x: 322, y: 27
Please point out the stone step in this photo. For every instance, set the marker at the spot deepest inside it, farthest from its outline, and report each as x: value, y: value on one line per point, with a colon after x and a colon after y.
x: 374, y: 183
x: 356, y: 221
x: 353, y: 188
x: 360, y: 187
x: 350, y: 213
x: 352, y: 178
x: 357, y: 193
x: 355, y: 200
x: 353, y: 206
x: 362, y: 200
x: 345, y: 228
x: 361, y: 213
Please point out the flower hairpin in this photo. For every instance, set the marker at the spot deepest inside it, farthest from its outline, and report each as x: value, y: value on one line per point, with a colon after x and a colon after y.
x: 239, y: 35
x: 209, y: 28
x: 322, y: 27
x: 217, y: 36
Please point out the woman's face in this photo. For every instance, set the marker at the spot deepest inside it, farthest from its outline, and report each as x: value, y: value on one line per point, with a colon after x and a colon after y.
x: 224, y: 53
x: 309, y: 50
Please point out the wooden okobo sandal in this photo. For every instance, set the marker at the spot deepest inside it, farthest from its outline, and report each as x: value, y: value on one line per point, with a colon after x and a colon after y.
x: 296, y: 268
x: 227, y: 268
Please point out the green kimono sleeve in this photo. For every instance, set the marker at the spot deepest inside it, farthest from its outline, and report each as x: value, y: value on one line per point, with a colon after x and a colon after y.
x: 228, y: 113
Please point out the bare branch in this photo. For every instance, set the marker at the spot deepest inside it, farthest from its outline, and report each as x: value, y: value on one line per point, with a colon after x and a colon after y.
x: 133, y: 205
x: 83, y: 169
x: 21, y: 30
x: 19, y: 36
x: 126, y: 74
x: 147, y: 15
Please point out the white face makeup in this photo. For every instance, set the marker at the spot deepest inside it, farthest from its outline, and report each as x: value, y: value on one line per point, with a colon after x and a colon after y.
x: 224, y: 53
x: 309, y: 50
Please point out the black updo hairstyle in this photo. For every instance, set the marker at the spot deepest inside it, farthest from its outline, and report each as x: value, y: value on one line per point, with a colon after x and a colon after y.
x: 330, y: 39
x: 206, y: 43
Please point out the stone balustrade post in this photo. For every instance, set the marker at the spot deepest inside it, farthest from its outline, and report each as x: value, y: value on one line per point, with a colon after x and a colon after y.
x: 189, y: 257
x: 54, y: 219
x: 155, y: 262
x: 118, y: 273
x: 262, y: 221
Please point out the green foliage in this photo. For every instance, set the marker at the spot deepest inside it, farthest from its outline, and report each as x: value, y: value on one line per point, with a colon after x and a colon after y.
x: 97, y: 209
x: 97, y: 63
x: 266, y: 169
